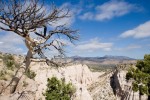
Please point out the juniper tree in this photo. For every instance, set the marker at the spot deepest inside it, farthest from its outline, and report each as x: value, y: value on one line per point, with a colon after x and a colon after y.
x: 58, y: 89
x: 141, y: 77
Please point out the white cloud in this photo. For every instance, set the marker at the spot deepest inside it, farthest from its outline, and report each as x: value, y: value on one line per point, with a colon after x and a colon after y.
x: 133, y: 47
x: 141, y: 31
x: 129, y: 47
x: 11, y: 43
x: 68, y: 21
x: 3, y: 26
x: 110, y: 10
x: 1, y: 42
x: 93, y: 45
x: 87, y: 15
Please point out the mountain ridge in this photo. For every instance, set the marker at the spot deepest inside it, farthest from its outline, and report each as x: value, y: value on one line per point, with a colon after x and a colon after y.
x: 104, y: 57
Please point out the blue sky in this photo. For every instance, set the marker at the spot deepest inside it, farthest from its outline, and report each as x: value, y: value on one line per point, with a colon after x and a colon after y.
x: 106, y: 27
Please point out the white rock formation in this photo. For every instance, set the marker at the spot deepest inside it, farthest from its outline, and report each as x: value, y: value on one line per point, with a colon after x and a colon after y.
x: 126, y: 87
x: 89, y: 85
x: 79, y: 75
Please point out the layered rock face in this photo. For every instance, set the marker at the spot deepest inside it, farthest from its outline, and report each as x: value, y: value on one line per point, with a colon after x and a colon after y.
x: 102, y: 90
x: 123, y: 89
x: 110, y: 85
x: 113, y: 86
x: 79, y: 75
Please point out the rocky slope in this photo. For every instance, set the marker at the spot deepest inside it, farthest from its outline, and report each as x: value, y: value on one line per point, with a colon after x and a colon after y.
x: 79, y: 75
x: 110, y: 85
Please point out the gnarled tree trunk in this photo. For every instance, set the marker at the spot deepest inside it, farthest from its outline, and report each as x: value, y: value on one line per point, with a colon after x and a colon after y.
x: 28, y: 59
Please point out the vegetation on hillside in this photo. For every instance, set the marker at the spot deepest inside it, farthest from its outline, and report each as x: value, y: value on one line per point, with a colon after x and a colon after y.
x: 30, y: 74
x: 10, y: 66
x: 140, y: 75
x: 99, y: 67
x: 58, y: 90
x: 9, y: 62
x: 108, y: 67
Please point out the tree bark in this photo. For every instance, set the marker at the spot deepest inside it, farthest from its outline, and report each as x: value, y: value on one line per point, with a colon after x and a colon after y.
x: 28, y: 59
x: 27, y: 64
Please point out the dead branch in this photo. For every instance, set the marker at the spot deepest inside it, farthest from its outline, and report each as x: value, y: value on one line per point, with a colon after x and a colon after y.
x: 23, y: 17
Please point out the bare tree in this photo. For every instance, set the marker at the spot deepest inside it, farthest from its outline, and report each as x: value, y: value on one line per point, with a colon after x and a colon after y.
x: 24, y: 17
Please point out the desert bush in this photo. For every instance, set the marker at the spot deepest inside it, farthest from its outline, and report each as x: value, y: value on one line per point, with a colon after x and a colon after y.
x: 58, y: 90
x: 1, y: 56
x: 17, y: 65
x: 10, y: 64
x: 25, y: 84
x: 9, y: 61
x: 8, y: 57
x: 2, y: 75
x: 30, y: 74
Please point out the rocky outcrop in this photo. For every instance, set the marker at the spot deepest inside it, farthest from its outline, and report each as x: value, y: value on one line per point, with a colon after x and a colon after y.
x: 101, y: 90
x: 79, y: 75
x: 110, y: 85
x: 113, y: 86
x: 122, y: 88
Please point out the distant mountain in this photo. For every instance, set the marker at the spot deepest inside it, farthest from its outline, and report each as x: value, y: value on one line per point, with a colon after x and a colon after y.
x: 107, y: 59
x: 118, y: 57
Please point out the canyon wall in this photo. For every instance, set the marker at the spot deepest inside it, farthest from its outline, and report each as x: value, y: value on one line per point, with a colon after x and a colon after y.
x: 110, y: 85
x: 79, y: 75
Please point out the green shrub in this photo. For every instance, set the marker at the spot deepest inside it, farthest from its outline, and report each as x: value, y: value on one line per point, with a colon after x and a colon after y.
x: 17, y: 65
x: 3, y: 75
x: 58, y: 90
x: 30, y: 74
x: 8, y: 57
x: 9, y: 61
x: 140, y: 75
x: 25, y: 84
x: 128, y: 75
x: 10, y: 64
x: 1, y: 56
